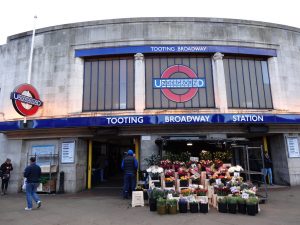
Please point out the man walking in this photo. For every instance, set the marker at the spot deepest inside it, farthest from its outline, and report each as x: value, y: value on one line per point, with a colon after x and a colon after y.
x: 129, y: 165
x: 33, y: 174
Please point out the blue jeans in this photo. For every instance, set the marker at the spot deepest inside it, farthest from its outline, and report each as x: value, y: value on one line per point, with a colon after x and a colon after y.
x: 267, y: 172
x: 129, y: 184
x: 31, y: 192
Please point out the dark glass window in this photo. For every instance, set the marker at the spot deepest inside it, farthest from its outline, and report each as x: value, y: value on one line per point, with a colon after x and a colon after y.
x: 108, y: 84
x: 201, y: 66
x: 247, y: 83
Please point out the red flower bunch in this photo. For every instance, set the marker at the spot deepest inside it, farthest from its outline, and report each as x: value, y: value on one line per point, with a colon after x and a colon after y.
x: 218, y: 163
x: 166, y: 164
x: 200, y: 192
x: 182, y: 172
x: 169, y: 173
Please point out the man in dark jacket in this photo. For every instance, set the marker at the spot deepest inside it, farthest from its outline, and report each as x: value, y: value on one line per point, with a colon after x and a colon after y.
x: 6, y: 167
x: 32, y: 173
x: 267, y: 171
x: 129, y: 166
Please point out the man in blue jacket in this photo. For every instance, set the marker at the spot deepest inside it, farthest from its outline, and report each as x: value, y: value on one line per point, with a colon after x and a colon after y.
x: 33, y: 174
x: 129, y: 166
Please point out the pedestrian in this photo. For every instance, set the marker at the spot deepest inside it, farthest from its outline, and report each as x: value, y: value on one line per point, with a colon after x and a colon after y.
x: 129, y: 166
x: 33, y: 174
x: 267, y: 171
x: 5, y: 168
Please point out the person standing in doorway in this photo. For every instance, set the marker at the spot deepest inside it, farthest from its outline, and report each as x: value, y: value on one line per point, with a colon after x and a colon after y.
x: 268, y: 168
x: 33, y: 174
x: 129, y: 166
x: 6, y: 167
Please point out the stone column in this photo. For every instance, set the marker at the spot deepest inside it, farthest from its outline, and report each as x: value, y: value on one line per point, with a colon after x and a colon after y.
x: 277, y: 93
x: 139, y: 85
x: 219, y: 83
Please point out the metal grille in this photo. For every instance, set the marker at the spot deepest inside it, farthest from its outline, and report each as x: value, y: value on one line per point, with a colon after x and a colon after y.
x: 108, y: 84
x: 202, y: 66
x: 247, y: 83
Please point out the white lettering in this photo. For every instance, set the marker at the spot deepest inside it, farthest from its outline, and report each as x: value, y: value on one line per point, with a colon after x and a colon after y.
x: 247, y: 118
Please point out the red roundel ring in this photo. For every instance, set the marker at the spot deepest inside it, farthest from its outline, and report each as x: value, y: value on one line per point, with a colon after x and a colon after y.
x: 177, y: 97
x: 18, y: 104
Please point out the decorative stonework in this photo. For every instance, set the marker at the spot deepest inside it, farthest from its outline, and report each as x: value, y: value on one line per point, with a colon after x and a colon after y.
x: 139, y: 56
x: 218, y: 56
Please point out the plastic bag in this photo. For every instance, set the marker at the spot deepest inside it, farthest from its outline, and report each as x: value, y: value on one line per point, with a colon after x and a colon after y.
x: 24, y: 184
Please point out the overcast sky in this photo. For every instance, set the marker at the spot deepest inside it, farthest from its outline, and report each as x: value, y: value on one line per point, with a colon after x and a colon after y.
x: 16, y: 16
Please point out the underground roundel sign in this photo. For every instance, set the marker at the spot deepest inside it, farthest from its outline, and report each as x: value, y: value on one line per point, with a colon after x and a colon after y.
x: 179, y: 77
x: 26, y: 100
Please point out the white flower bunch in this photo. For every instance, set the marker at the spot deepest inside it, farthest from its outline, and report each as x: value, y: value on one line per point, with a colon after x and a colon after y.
x: 236, y: 168
x: 155, y: 169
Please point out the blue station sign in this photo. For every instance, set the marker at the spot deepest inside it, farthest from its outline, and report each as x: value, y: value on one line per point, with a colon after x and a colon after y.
x: 163, y: 119
x: 175, y: 49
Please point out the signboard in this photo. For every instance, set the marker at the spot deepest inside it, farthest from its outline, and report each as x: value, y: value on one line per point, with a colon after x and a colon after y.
x: 43, y: 154
x: 191, y: 83
x: 293, y: 147
x: 162, y: 119
x: 67, y: 152
x: 20, y: 98
x: 174, y: 49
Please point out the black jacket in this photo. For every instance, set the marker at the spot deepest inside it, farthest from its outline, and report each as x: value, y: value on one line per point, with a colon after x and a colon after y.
x: 6, y: 168
x: 32, y: 173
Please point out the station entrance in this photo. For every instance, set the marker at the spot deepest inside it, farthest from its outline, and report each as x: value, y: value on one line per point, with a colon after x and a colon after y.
x: 107, y: 156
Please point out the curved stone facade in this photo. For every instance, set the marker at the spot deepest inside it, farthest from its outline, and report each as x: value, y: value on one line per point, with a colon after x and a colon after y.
x: 58, y: 75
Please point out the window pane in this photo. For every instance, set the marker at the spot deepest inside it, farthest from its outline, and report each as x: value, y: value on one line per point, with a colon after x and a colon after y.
x: 247, y: 83
x: 108, y: 84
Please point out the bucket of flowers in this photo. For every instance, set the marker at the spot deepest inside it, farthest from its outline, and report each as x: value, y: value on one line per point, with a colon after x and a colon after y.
x: 169, y: 173
x: 200, y: 192
x: 184, y: 181
x: 195, y: 179
x: 169, y: 181
x: 166, y: 164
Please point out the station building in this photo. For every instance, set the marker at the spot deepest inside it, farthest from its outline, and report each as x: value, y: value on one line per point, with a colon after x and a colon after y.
x: 152, y: 85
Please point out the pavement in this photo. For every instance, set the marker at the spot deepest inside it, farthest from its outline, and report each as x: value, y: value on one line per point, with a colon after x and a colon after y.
x: 105, y: 206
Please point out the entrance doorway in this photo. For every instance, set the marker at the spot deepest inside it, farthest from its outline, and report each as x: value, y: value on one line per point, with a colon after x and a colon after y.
x: 107, y: 157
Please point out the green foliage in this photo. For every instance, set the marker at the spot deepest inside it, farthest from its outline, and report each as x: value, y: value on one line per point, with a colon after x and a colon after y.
x: 241, y: 200
x: 205, y: 155
x: 222, y: 200
x: 161, y: 202
x: 252, y: 201
x: 224, y: 156
x: 171, y: 202
x: 153, y: 160
x: 156, y: 193
x: 44, y: 179
x: 232, y: 200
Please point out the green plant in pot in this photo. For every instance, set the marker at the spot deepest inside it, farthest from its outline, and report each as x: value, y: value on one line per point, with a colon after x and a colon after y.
x: 222, y: 205
x: 241, y: 205
x: 252, y: 206
x: 232, y: 204
x: 155, y: 193
x: 161, y: 206
x: 172, y: 206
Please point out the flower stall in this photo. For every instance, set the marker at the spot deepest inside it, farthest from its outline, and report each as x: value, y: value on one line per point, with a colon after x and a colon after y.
x: 194, y: 187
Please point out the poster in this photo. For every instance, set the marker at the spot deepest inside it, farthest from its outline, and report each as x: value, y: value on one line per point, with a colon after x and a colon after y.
x: 67, y: 152
x: 43, y: 154
x: 293, y: 147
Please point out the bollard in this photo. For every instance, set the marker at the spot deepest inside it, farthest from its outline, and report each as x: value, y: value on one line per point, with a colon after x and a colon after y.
x: 61, y: 188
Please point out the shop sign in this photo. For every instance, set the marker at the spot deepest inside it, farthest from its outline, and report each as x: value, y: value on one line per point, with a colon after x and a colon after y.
x: 293, y: 147
x: 67, y: 152
x: 166, y: 83
x: 19, y: 100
